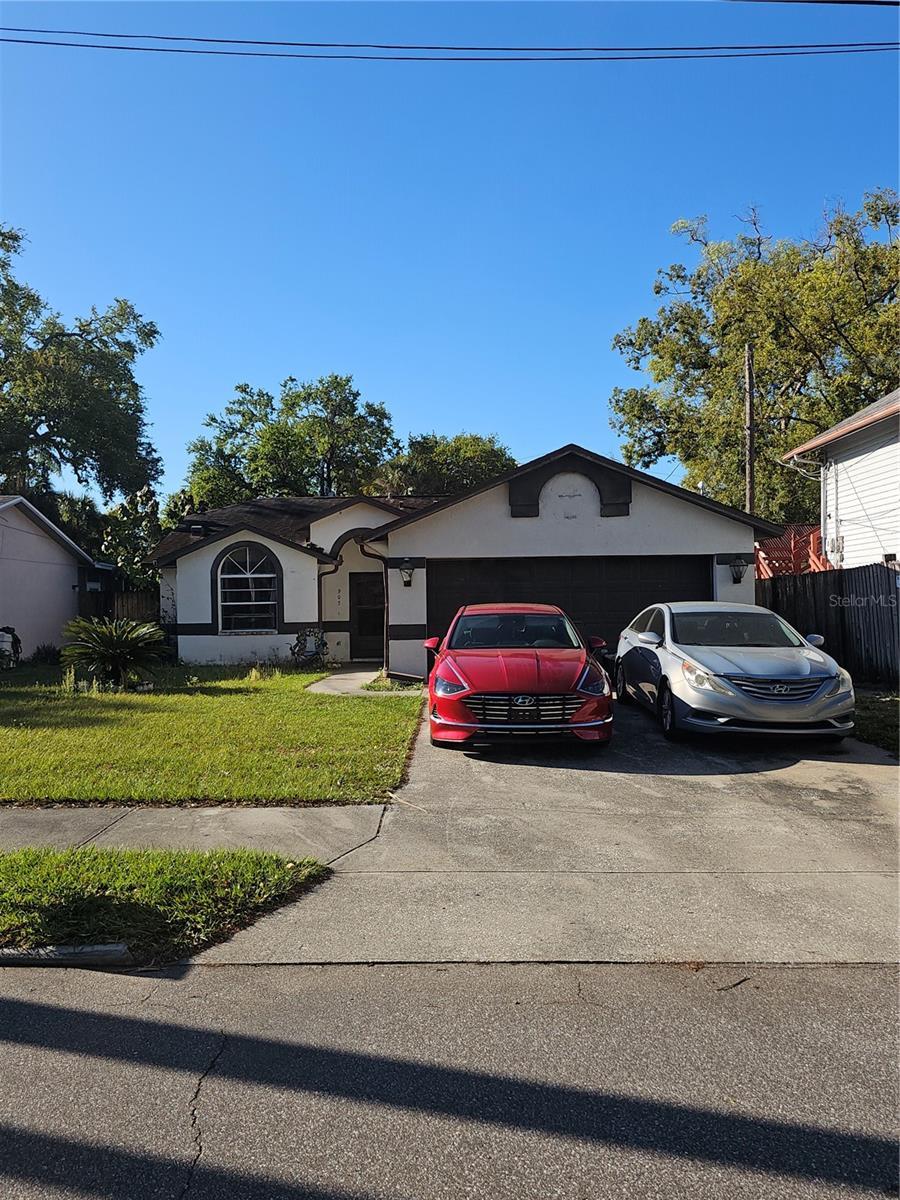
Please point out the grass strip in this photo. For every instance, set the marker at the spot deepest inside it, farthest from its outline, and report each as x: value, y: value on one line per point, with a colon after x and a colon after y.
x: 165, y: 904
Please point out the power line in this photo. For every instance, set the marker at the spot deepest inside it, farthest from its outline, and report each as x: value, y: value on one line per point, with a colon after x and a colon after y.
x: 167, y: 37
x: 672, y: 57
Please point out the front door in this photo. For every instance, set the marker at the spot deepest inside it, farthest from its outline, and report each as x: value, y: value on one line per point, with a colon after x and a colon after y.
x: 366, y: 614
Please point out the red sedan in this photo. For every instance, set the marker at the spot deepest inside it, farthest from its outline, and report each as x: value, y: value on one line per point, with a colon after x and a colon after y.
x: 516, y: 669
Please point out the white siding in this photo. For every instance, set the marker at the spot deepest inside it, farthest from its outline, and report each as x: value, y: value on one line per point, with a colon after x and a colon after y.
x: 38, y: 581
x: 861, y: 494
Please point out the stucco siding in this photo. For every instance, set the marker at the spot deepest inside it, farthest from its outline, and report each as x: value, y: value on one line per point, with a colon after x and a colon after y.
x: 195, y: 604
x: 336, y: 598
x: 570, y: 523
x: 326, y: 531
x: 861, y: 494
x: 38, y: 581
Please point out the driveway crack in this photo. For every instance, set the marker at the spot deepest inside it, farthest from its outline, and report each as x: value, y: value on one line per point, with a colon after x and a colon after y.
x: 194, y: 1113
x: 353, y: 849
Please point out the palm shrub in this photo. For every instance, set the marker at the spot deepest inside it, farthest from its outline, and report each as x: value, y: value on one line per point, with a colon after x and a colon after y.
x: 113, y: 651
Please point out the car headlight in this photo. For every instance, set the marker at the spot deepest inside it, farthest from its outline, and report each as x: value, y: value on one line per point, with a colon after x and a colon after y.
x: 702, y: 680
x: 593, y: 683
x: 446, y: 687
x: 842, y: 683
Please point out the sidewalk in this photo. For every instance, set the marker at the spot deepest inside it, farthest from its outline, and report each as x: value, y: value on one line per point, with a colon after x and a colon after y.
x: 325, y: 833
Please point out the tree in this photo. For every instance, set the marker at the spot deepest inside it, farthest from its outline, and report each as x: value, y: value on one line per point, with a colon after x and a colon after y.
x: 77, y: 516
x: 436, y: 465
x: 68, y: 394
x: 132, y: 530
x: 313, y: 439
x: 822, y: 316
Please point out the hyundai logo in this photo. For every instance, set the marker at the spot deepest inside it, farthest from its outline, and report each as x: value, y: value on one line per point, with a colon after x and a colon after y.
x: 523, y: 701
x: 780, y: 688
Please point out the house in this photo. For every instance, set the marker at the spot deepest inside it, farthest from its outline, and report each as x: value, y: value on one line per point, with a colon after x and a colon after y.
x: 380, y: 575
x: 42, y: 574
x: 859, y: 461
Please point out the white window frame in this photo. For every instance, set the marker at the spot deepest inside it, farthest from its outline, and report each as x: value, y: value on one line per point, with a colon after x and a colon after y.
x: 246, y: 574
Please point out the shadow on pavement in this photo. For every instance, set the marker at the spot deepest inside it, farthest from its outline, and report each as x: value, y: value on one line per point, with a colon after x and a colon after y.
x: 639, y: 748
x: 663, y: 1127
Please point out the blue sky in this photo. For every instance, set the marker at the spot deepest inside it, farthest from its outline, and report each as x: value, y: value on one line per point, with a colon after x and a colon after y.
x: 464, y: 239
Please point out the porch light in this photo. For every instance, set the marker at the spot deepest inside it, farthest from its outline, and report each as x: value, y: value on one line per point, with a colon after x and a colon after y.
x: 406, y: 570
x: 738, y: 569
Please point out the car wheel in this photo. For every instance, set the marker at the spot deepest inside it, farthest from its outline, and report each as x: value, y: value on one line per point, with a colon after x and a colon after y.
x: 667, y: 717
x: 622, y: 695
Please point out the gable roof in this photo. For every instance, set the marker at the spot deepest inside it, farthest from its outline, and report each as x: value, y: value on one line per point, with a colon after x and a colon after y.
x: 724, y: 510
x: 285, y: 519
x: 887, y: 406
x: 52, y: 531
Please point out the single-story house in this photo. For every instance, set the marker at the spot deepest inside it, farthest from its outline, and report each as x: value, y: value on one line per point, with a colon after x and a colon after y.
x: 42, y: 572
x: 379, y: 575
x: 860, y: 484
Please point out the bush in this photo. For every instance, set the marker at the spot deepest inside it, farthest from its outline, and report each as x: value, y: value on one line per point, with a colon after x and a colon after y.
x: 46, y: 654
x: 115, y: 652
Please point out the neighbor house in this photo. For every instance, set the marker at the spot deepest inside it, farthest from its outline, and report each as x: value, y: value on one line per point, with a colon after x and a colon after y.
x: 42, y: 574
x: 859, y: 461
x: 379, y: 575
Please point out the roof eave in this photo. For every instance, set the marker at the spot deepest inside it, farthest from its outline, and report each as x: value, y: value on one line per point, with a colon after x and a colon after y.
x: 830, y: 436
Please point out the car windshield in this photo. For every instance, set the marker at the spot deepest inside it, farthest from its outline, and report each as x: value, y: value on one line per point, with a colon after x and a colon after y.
x: 495, y: 631
x: 731, y: 629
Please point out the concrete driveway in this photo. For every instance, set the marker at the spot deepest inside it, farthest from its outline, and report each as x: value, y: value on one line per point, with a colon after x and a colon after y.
x: 707, y: 851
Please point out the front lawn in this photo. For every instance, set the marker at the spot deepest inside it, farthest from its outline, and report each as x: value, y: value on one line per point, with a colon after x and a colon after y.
x: 878, y: 719
x: 164, y: 904
x: 204, y: 734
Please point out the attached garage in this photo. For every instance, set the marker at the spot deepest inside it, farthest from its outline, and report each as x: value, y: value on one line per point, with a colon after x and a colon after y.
x: 572, y: 528
x: 600, y: 594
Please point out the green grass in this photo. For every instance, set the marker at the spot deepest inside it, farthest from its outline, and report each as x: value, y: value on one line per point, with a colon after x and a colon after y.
x: 207, y: 735
x: 878, y: 719
x: 381, y: 683
x: 164, y: 903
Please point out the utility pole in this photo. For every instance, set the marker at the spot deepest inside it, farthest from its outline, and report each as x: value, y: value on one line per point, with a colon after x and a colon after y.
x: 749, y: 432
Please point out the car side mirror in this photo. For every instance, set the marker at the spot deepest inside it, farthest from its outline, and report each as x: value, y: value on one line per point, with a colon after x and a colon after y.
x: 815, y: 639
x: 650, y: 639
x: 597, y: 643
x: 432, y: 644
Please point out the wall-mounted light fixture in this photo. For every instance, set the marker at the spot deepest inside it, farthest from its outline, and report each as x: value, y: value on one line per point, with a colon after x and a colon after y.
x: 738, y: 569
x: 406, y: 570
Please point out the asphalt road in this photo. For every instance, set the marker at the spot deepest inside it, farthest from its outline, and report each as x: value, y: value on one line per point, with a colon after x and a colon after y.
x: 439, y: 1083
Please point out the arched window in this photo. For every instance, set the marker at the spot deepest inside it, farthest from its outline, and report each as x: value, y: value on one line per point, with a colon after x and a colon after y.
x: 248, y: 591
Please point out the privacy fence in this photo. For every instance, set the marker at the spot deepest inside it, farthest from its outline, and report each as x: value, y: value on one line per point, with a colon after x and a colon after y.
x: 855, y: 610
x: 137, y: 606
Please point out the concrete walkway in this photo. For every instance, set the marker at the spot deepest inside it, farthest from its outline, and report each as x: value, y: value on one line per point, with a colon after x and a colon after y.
x: 325, y: 833
x: 727, y: 852
x: 349, y: 681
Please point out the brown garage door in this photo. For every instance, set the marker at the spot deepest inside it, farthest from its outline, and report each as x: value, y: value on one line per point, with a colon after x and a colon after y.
x: 600, y: 594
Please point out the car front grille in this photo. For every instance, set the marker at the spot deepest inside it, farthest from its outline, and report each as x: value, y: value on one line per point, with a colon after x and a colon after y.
x: 496, y: 708
x: 777, y: 689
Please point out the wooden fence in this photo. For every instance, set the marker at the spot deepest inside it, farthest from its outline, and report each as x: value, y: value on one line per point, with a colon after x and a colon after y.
x: 136, y: 606
x: 855, y: 610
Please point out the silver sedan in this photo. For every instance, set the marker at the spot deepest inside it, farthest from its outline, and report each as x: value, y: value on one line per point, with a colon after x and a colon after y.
x: 731, y: 668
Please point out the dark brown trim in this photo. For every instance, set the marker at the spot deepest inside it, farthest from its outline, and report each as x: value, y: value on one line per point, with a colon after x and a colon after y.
x: 202, y: 628
x: 329, y: 571
x: 387, y: 600
x: 671, y: 489
x: 200, y: 543
x: 613, y: 488
x: 406, y: 633
x: 403, y: 560
x: 335, y: 626
x: 349, y: 534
